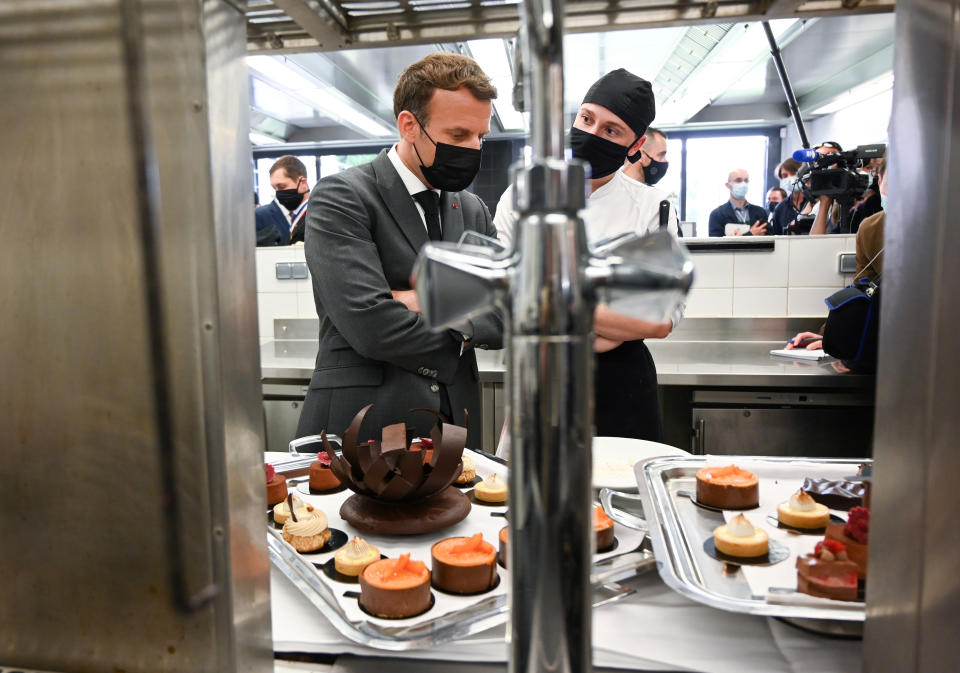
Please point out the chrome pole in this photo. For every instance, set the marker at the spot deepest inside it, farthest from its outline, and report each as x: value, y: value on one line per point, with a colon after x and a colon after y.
x: 548, y: 288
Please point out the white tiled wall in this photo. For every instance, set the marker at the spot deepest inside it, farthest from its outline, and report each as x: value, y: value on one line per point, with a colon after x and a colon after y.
x: 288, y: 298
x: 790, y: 281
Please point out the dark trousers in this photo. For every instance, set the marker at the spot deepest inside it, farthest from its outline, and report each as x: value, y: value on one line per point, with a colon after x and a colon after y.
x: 626, y: 393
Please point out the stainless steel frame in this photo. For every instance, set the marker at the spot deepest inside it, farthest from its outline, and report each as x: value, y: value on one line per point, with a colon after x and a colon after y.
x: 914, y: 588
x: 275, y: 26
x: 133, y: 498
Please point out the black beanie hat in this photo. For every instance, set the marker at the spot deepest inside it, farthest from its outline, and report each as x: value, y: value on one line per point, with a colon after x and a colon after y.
x: 627, y: 96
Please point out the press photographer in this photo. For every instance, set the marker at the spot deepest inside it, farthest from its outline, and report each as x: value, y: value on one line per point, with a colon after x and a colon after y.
x: 834, y: 177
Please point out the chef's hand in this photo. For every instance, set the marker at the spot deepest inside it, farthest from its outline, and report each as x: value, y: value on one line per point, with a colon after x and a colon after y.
x: 602, y: 344
x: 408, y: 298
x: 759, y: 228
x: 807, y: 340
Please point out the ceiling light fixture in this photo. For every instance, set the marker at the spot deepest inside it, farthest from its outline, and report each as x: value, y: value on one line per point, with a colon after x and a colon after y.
x: 857, y: 94
x: 738, y: 52
x: 321, y: 96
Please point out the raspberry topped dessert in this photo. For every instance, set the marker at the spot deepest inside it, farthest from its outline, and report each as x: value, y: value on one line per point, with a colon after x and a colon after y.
x: 828, y: 572
x: 854, y: 534
x: 276, y: 485
x: 322, y: 477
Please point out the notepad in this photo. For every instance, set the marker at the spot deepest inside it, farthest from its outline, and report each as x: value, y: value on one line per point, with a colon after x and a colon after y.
x: 800, y: 354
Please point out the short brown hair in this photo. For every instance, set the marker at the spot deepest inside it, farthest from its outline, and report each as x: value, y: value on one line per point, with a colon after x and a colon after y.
x: 789, y: 165
x: 292, y: 166
x: 438, y: 71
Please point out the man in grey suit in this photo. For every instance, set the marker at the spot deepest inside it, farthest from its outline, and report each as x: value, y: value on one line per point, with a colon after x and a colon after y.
x: 364, y: 229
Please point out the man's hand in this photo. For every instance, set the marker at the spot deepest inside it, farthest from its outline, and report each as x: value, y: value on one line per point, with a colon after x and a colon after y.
x: 759, y: 228
x: 602, y: 344
x: 807, y: 340
x: 408, y: 298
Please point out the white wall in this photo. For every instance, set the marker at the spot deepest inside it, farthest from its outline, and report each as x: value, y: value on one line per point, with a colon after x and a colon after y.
x: 790, y: 281
x: 288, y: 298
x: 861, y: 124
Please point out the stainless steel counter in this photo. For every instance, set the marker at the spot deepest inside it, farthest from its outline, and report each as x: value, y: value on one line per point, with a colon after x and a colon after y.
x: 679, y: 363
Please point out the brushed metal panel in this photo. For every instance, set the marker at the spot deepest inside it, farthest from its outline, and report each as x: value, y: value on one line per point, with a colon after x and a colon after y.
x: 231, y: 336
x: 82, y: 529
x: 912, y: 620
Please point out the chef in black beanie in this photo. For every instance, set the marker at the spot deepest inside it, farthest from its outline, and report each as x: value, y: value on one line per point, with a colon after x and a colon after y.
x: 609, y: 128
x: 611, y: 122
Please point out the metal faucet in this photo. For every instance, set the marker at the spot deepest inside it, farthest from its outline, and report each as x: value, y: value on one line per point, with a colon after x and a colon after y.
x: 547, y: 288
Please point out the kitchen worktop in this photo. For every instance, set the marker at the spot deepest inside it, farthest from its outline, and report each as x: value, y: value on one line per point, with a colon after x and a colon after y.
x: 679, y: 363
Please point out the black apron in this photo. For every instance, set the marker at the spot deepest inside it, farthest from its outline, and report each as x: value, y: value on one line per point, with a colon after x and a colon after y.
x: 625, y: 393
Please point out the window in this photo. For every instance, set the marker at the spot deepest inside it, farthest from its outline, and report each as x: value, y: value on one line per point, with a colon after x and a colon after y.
x: 709, y: 161
x: 334, y: 163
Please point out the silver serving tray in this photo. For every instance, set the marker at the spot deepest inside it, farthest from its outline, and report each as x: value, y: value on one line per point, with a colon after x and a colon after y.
x: 678, y: 527
x: 483, y: 613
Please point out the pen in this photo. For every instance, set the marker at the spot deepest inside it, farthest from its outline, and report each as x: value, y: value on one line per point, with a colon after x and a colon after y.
x: 804, y: 341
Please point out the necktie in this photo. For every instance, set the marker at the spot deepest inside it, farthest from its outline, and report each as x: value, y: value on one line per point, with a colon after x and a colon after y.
x: 429, y: 200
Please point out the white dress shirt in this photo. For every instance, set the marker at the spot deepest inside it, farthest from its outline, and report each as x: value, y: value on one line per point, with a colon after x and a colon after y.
x: 411, y: 182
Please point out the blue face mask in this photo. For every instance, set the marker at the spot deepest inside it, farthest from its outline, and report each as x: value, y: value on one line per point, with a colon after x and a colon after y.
x: 883, y: 201
x: 786, y: 184
x: 738, y: 190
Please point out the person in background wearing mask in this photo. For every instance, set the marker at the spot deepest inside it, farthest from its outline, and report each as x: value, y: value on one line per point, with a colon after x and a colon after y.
x: 774, y: 196
x: 280, y: 222
x: 737, y: 210
x: 365, y: 227
x: 795, y: 204
x: 651, y: 164
x: 609, y: 128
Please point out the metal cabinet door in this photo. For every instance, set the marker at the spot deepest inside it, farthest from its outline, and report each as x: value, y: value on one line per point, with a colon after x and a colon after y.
x: 844, y: 432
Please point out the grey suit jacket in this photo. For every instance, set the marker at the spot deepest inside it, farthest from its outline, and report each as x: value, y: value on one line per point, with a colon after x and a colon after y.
x: 363, y: 233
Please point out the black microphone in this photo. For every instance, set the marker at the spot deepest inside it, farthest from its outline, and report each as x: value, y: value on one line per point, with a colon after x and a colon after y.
x: 664, y: 213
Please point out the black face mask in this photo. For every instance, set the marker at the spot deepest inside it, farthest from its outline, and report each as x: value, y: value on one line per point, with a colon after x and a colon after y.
x: 604, y: 156
x: 454, y: 167
x: 653, y: 173
x: 772, y: 206
x: 290, y: 198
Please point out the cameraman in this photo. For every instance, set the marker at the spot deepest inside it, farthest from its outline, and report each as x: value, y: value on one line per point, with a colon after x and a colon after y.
x: 794, y: 205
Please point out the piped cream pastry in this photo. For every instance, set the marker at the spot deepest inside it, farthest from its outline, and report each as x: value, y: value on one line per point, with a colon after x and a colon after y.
x: 741, y: 538
x: 354, y: 556
x: 491, y: 489
x: 802, y: 511
x: 281, y: 511
x: 306, y: 534
x: 469, y: 472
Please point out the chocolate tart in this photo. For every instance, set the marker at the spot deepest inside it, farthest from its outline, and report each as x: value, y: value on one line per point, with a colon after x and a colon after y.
x: 727, y: 487
x: 855, y: 551
x: 464, y: 565
x: 322, y: 477
x: 842, y: 494
x: 395, y: 588
x: 276, y: 486
x: 827, y: 575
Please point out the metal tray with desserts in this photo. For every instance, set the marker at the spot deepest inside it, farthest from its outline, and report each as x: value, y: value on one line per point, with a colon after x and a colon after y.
x: 450, y: 617
x: 680, y: 531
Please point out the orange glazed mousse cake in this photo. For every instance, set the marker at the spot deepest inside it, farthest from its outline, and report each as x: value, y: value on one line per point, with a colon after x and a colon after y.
x: 727, y: 487
x: 464, y: 565
x: 395, y: 588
